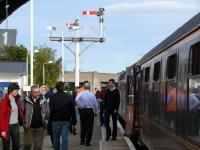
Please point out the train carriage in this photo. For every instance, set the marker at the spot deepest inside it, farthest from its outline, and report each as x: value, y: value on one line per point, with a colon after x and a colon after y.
x: 167, y: 92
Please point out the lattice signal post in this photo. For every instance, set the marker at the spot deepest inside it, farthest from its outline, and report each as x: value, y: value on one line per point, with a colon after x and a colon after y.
x: 74, y: 26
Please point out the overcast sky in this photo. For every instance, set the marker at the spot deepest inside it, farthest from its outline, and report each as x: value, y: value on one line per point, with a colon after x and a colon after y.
x: 132, y: 28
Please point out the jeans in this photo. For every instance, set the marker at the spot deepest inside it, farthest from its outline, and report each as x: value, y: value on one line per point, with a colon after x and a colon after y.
x: 60, y: 128
x: 114, y: 122
x: 14, y: 136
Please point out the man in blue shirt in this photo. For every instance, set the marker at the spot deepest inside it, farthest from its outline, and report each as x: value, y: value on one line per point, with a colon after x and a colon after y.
x: 87, y: 104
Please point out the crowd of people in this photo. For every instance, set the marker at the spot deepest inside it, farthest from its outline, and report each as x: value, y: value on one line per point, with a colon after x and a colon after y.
x: 57, y: 112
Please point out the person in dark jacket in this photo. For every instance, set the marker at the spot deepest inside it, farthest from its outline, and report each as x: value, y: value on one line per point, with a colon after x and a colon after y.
x: 11, y: 115
x: 111, y: 106
x: 36, y: 117
x: 62, y: 111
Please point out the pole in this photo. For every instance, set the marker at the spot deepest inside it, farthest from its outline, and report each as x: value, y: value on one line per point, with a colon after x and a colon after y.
x: 27, y: 68
x: 63, y: 58
x: 101, y: 26
x: 77, y: 40
x: 43, y: 73
x: 27, y: 71
x: 77, y: 60
x: 31, y: 42
x: 7, y: 14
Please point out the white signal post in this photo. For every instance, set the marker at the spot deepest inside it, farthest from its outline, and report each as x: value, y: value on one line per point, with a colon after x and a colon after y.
x: 31, y: 46
x: 77, y: 61
x: 78, y: 39
x: 63, y: 71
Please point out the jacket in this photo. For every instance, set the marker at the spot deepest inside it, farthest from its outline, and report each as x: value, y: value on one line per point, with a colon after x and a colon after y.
x: 28, y: 107
x: 112, y: 100
x: 102, y: 95
x: 5, y: 113
x: 62, y: 107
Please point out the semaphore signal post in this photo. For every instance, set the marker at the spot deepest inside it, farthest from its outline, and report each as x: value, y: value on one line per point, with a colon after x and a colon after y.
x: 74, y: 26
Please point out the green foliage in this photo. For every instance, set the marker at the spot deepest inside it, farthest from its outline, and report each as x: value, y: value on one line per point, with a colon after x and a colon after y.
x: 13, y: 53
x: 52, y: 71
x: 45, y: 54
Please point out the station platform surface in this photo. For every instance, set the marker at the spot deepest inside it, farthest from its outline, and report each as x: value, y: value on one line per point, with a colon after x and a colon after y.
x: 98, y: 140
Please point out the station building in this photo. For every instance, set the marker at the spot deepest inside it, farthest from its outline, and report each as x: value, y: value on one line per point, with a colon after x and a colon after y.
x: 95, y: 78
x: 11, y: 71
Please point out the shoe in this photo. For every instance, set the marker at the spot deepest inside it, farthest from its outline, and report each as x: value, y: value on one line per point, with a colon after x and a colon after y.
x: 82, y: 143
x: 87, y: 144
x: 107, y: 138
x: 113, y: 139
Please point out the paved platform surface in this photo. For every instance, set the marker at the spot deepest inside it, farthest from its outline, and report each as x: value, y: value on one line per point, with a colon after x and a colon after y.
x: 119, y: 144
x: 74, y: 140
x: 98, y: 140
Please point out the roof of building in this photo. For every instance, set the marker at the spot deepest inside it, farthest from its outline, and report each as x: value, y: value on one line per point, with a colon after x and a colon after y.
x: 12, y: 67
x: 179, y: 33
x: 13, y: 5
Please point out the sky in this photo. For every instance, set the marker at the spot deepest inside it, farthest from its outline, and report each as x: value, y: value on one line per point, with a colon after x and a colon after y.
x: 131, y: 28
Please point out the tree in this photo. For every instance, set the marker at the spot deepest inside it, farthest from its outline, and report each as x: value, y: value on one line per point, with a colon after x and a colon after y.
x: 13, y: 53
x: 52, y: 71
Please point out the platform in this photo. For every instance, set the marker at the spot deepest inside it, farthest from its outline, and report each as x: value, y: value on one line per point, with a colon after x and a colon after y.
x: 98, y: 140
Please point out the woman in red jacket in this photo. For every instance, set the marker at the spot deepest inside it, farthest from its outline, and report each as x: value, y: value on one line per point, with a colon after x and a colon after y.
x: 11, y: 115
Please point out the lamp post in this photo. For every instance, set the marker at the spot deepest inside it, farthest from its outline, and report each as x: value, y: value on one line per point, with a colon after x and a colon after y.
x: 50, y: 62
x: 7, y: 6
x: 27, y: 64
x: 31, y: 45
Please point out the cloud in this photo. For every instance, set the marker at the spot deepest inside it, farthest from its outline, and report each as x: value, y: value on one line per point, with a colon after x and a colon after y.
x: 153, y: 6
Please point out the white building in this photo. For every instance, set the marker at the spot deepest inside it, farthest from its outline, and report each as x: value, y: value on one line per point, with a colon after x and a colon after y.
x: 95, y: 78
x: 12, y: 72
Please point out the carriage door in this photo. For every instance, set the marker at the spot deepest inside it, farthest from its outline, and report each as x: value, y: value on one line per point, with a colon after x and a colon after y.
x: 171, y: 91
x: 194, y: 93
x: 147, y: 94
x: 155, y: 104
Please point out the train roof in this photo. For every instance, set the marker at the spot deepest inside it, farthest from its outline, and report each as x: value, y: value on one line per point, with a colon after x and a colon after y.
x: 13, y: 5
x: 173, y: 38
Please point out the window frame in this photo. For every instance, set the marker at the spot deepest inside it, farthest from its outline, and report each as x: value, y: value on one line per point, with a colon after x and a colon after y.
x: 190, y: 60
x: 159, y: 77
x: 167, y: 68
x: 148, y: 67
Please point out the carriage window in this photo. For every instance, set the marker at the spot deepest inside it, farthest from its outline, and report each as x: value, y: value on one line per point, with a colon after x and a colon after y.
x: 194, y: 108
x: 130, y: 90
x: 147, y: 74
x: 194, y: 59
x: 171, y: 66
x: 141, y: 76
x: 156, y: 74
